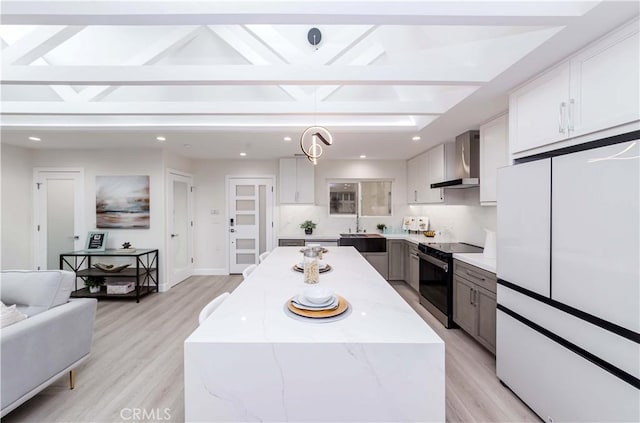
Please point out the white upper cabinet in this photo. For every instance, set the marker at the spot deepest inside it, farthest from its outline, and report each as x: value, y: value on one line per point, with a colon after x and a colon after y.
x: 596, y: 89
x: 494, y: 153
x: 422, y: 171
x: 538, y: 110
x: 435, y: 173
x: 605, y: 81
x: 297, y: 181
x: 416, y: 178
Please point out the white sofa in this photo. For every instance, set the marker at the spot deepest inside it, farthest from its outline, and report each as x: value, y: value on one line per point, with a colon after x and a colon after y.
x: 54, y: 339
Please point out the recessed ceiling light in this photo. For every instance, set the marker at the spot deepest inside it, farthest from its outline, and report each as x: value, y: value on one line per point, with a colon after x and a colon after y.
x: 287, y: 138
x: 362, y: 156
x: 416, y: 138
x: 36, y: 139
x: 187, y: 145
x: 161, y: 139
x: 243, y: 154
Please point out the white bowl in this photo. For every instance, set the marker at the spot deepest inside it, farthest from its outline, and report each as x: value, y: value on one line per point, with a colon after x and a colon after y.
x: 317, y: 294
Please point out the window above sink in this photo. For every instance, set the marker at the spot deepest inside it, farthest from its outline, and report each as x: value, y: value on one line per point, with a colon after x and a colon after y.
x: 362, y: 197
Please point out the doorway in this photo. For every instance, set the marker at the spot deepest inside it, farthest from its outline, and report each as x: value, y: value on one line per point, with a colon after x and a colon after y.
x: 250, y: 220
x: 59, y: 214
x: 179, y: 227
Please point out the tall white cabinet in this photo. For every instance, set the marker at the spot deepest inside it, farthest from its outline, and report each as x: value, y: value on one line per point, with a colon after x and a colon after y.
x: 597, y: 88
x: 494, y: 154
x: 297, y: 182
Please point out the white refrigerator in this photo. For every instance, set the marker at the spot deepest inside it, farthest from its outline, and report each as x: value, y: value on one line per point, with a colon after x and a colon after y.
x: 568, y: 267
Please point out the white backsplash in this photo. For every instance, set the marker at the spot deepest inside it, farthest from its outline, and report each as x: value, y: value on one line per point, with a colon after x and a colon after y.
x: 451, y: 222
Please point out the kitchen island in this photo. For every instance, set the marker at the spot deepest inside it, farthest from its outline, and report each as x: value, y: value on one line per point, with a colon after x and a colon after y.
x: 254, y: 361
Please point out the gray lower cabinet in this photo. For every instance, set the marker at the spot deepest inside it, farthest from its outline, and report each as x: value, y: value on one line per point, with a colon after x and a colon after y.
x: 414, y: 272
x: 474, y: 303
x: 291, y: 242
x: 397, y: 250
x: 413, y: 266
x: 485, y: 302
x: 379, y: 261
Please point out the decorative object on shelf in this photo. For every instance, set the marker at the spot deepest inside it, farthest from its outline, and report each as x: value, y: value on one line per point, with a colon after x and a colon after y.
x: 110, y: 268
x: 381, y: 227
x: 309, y: 142
x: 308, y: 227
x: 122, y: 202
x: 120, y: 287
x: 94, y: 283
x: 96, y: 241
x: 127, y: 248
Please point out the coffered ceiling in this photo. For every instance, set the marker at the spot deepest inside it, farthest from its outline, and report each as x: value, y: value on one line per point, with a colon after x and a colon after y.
x: 217, y: 78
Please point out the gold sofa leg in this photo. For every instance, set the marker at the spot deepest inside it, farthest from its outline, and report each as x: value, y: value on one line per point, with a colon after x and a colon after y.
x: 72, y: 378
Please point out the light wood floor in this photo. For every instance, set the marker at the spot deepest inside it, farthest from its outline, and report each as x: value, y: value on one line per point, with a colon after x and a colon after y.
x: 137, y: 362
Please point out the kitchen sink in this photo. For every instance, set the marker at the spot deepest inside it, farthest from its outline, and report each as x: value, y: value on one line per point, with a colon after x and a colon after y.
x: 365, y: 243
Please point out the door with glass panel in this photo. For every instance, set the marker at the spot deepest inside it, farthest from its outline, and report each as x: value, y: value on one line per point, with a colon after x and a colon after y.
x: 180, y: 262
x: 250, y: 221
x: 59, y: 215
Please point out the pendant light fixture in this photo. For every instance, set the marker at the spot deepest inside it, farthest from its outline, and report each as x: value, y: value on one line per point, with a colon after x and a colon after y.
x: 314, y: 135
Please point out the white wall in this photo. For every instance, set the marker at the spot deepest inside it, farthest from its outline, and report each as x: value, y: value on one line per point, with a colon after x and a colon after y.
x: 465, y: 219
x: 17, y: 214
x: 210, y: 244
x: 176, y: 162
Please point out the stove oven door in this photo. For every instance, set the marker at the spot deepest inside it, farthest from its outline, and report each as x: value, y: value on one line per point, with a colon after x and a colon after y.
x: 434, y: 282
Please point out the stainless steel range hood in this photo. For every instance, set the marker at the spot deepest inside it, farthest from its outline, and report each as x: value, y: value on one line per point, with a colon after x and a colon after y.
x: 467, y: 164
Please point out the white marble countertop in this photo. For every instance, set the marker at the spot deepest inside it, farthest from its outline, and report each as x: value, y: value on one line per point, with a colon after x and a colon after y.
x: 478, y: 260
x: 254, y: 312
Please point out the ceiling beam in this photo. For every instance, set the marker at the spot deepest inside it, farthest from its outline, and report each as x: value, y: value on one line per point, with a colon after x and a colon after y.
x: 433, y: 74
x: 254, y: 51
x: 327, y: 12
x: 37, y: 43
x: 155, y: 51
x: 223, y: 108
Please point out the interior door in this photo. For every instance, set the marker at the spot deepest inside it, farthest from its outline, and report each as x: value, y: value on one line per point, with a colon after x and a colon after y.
x: 250, y: 221
x: 180, y: 225
x: 58, y: 214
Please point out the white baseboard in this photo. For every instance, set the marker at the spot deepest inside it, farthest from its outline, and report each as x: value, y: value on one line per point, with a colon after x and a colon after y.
x: 210, y: 272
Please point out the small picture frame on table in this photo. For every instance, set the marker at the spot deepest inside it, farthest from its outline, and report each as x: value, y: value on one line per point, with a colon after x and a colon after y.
x: 96, y: 241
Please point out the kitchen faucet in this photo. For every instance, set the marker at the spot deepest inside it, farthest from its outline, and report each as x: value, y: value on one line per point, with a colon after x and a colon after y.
x: 358, y: 228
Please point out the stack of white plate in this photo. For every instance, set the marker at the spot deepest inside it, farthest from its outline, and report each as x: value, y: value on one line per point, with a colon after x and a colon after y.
x: 316, y: 298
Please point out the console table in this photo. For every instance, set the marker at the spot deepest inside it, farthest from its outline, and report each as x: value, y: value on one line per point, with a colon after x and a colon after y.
x: 144, y: 271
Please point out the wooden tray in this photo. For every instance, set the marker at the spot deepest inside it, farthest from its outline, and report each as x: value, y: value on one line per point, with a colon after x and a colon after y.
x: 343, y: 306
x: 323, y: 270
